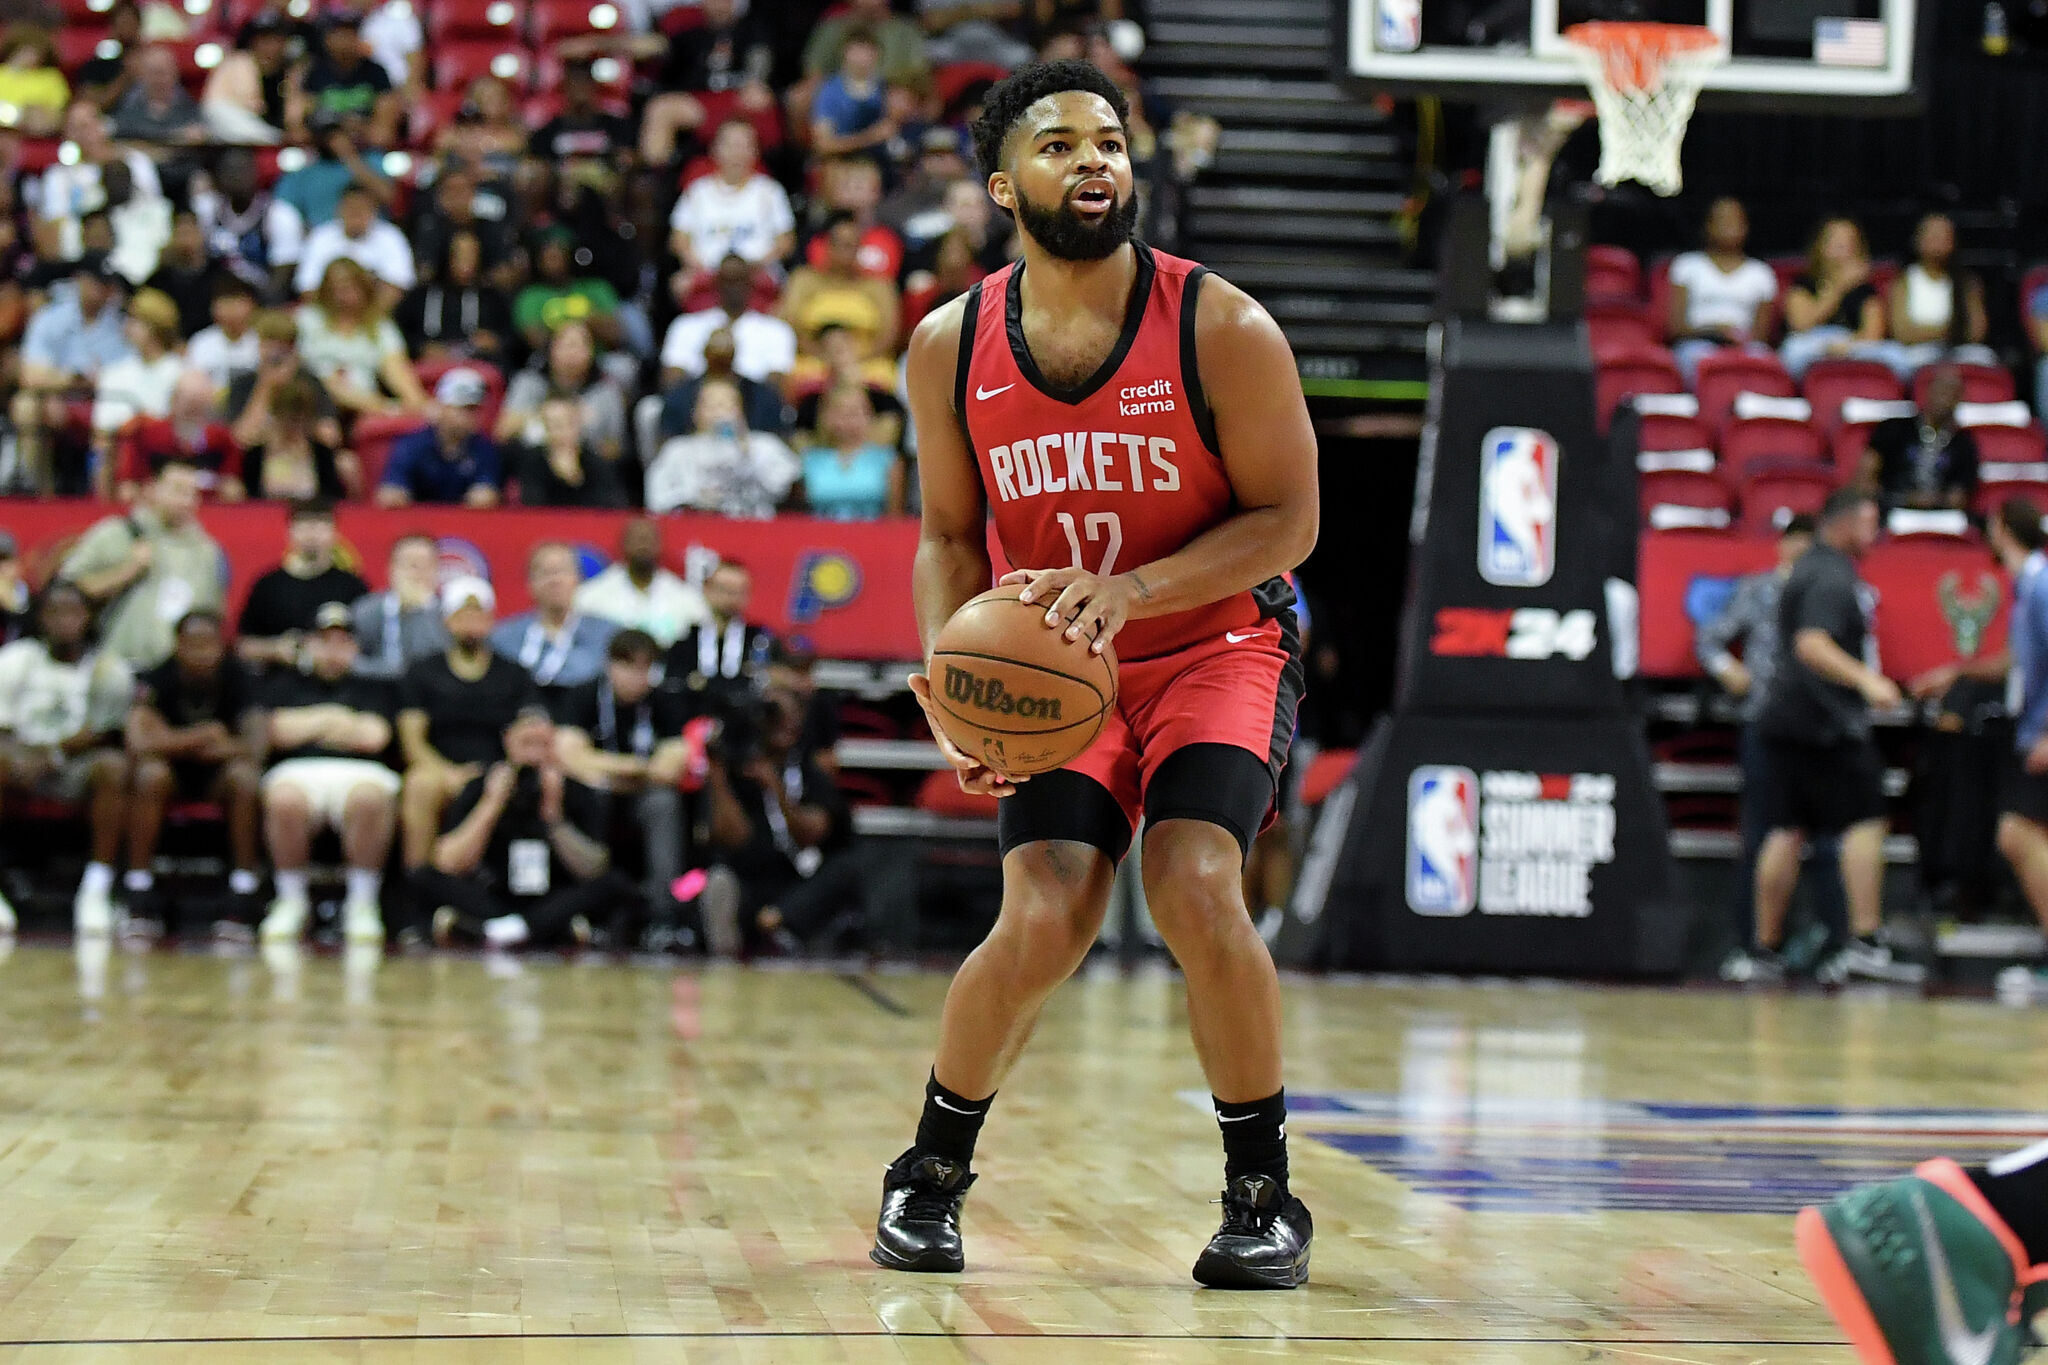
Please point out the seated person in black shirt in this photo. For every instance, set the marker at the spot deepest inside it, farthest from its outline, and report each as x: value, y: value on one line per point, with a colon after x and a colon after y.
x: 721, y: 663
x: 780, y: 824
x: 1927, y: 460
x: 283, y: 602
x: 195, y: 733
x: 453, y: 709
x: 330, y: 728
x: 565, y: 470
x: 623, y: 737
x: 522, y: 857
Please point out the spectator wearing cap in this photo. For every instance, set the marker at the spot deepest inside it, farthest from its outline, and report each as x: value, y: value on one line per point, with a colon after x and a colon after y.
x: 521, y: 855
x: 69, y: 342
x: 72, y: 189
x: 555, y: 643
x: 450, y: 461
x: 453, y: 710
x: 191, y: 432
x: 330, y: 729
x: 228, y: 348
x: 354, y: 349
x: 734, y: 211
x: 559, y: 295
x: 15, y: 599
x: 637, y: 593
x: 140, y: 384
x: 195, y: 732
x: 283, y: 602
x: 32, y: 81
x: 156, y: 111
x: 764, y: 346
x: 398, y: 627
x: 343, y: 82
x: 359, y: 235
x: 186, y: 274
x: 146, y: 567
x: 244, y: 99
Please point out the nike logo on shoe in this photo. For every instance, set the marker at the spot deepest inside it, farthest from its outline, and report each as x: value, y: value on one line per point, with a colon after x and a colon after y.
x: 1237, y: 639
x: 1964, y: 1346
x: 985, y: 394
x: 940, y: 1101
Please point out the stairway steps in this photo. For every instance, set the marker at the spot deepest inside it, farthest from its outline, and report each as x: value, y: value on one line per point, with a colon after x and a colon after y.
x: 1290, y: 13
x: 1207, y: 57
x: 1235, y: 33
x: 1251, y: 101
x: 1286, y: 199
x: 1267, y: 226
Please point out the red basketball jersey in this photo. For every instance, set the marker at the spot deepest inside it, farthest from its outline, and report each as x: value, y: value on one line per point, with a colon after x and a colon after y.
x: 1115, y: 472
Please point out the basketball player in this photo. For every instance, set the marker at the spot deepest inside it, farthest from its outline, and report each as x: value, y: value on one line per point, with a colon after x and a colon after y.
x: 1138, y: 429
x: 1948, y: 1266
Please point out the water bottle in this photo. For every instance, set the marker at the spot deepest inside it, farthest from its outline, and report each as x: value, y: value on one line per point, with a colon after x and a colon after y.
x: 1997, y: 37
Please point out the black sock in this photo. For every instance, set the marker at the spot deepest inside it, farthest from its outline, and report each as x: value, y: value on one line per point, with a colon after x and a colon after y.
x: 950, y: 1123
x: 1254, y: 1137
x: 2016, y: 1187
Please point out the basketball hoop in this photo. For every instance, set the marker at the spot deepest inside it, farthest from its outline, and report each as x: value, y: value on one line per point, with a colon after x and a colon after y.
x: 1645, y: 79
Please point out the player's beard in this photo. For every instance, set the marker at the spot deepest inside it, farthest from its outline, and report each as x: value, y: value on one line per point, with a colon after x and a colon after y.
x: 1068, y: 236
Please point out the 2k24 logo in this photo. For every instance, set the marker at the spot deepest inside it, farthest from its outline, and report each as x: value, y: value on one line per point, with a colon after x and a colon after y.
x: 1523, y: 633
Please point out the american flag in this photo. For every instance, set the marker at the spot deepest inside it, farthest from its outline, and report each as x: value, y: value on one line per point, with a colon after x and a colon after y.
x: 1849, y: 42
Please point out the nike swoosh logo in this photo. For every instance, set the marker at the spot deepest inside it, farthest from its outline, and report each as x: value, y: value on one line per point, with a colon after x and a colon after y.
x: 1963, y: 1346
x: 940, y: 1100
x: 1237, y: 639
x: 986, y: 394
x: 1220, y: 1118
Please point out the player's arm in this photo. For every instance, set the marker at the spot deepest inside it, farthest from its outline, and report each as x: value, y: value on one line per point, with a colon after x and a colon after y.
x: 1268, y: 446
x: 952, y: 561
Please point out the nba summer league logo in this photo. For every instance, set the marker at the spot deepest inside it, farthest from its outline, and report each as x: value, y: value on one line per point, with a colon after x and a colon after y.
x: 1517, y: 507
x: 1506, y: 843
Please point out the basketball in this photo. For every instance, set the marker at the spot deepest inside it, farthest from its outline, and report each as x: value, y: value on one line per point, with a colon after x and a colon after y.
x: 1014, y: 693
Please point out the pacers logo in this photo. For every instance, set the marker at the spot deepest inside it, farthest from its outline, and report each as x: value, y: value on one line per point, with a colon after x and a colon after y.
x: 824, y: 579
x: 989, y: 694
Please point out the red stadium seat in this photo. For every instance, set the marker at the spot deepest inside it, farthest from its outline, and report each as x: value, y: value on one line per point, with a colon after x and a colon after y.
x: 428, y: 115
x: 611, y: 73
x: 1726, y: 373
x: 1787, y: 269
x: 37, y: 155
x: 1325, y: 774
x: 720, y: 105
x: 1998, y: 482
x: 1612, y: 383
x: 1659, y: 282
x: 941, y: 795
x: 461, y: 20
x: 1619, y: 329
x: 2010, y: 445
x: 1613, y: 272
x: 372, y: 439
x: 77, y: 46
x: 1683, y: 488
x: 1744, y: 443
x: 554, y: 20
x: 84, y: 13
x: 1668, y: 431
x: 456, y: 65
x: 1847, y: 448
x: 1829, y: 382
x: 538, y: 109
x: 1777, y: 489
x: 1981, y: 383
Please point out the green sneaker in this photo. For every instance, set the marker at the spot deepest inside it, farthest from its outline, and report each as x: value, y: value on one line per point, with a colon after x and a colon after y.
x: 1919, y: 1271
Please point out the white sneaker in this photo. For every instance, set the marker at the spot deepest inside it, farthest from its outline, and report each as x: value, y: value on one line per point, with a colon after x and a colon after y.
x: 362, y: 922
x: 2020, y: 983
x: 8, y: 921
x: 506, y: 931
x: 1861, y: 961
x: 92, y: 914
x: 286, y: 921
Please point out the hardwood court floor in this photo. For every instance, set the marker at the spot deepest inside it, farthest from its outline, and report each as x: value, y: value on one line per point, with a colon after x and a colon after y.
x: 212, y: 1160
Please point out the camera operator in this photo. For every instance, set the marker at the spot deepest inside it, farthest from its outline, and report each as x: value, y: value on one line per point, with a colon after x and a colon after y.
x: 522, y: 857
x: 777, y: 820
x: 623, y: 737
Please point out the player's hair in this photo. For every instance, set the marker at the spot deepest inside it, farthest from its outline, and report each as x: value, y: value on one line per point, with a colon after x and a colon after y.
x: 202, y: 616
x: 311, y: 509
x: 1844, y: 501
x: 632, y: 647
x: 2022, y: 521
x: 1007, y: 100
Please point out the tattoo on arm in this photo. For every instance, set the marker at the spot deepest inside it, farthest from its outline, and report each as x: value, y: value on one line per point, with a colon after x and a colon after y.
x: 1144, y: 592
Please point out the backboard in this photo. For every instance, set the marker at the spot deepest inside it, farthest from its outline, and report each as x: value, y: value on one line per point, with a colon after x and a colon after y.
x: 1862, y: 56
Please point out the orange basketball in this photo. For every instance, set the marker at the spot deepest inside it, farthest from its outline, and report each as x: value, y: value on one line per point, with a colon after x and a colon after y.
x: 1015, y: 693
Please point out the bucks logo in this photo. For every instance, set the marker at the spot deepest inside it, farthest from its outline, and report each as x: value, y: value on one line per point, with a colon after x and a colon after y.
x: 1968, y: 615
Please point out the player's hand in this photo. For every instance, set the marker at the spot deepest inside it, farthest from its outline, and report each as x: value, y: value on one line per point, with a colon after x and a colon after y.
x: 2037, y: 757
x: 976, y: 777
x: 1085, y: 604
x: 1881, y: 692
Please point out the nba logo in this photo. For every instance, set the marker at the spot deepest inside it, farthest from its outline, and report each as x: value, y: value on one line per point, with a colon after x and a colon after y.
x: 1517, y: 507
x: 1443, y: 841
x: 1400, y: 25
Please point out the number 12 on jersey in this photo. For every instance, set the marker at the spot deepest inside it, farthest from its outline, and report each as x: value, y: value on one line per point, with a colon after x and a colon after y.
x: 1103, y: 526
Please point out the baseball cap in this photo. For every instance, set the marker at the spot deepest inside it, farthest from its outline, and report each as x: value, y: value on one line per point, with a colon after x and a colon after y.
x: 334, y: 616
x: 464, y: 591
x: 461, y: 388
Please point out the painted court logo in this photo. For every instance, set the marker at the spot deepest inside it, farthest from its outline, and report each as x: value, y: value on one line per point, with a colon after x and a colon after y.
x: 1443, y: 841
x: 989, y: 694
x: 1517, y: 507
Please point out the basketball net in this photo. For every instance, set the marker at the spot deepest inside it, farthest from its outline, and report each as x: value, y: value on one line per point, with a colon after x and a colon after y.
x: 1645, y: 79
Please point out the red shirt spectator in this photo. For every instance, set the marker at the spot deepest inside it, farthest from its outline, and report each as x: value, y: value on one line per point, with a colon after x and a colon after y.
x: 881, y: 252
x: 150, y: 441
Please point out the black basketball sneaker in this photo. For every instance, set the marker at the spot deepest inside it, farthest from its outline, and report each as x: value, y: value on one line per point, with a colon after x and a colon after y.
x: 920, y: 1224
x: 1263, y: 1243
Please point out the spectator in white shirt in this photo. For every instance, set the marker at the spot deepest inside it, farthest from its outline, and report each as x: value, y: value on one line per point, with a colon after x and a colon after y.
x: 1721, y: 296
x: 360, y: 235
x: 735, y: 211
x: 392, y: 34
x: 722, y: 467
x: 637, y: 593
x: 141, y: 385
x: 70, y: 191
x: 764, y: 345
x: 229, y: 348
